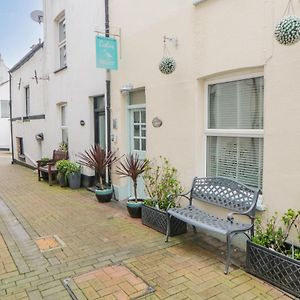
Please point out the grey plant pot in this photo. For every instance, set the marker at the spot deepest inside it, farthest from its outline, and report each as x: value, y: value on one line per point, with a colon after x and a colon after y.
x: 276, y: 268
x: 157, y: 219
x: 74, y: 180
x: 63, y: 182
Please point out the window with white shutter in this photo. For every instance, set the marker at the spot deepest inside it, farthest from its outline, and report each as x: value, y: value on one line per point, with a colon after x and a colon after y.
x: 235, y: 130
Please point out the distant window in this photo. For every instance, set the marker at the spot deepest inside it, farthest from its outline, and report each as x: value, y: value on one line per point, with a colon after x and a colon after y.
x: 27, y: 101
x: 20, y: 148
x: 4, y: 108
x: 62, y: 42
x: 63, y: 124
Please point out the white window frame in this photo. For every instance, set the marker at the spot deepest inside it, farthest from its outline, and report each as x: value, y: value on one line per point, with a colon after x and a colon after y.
x: 62, y: 44
x: 27, y: 100
x: 2, y: 116
x: 63, y: 126
x: 252, y: 133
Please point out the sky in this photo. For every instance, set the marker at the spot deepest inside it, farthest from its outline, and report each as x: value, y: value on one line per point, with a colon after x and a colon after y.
x: 18, y: 32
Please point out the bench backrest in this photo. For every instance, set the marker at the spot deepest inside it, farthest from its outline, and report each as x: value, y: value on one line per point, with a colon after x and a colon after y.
x: 59, y: 155
x: 225, y: 193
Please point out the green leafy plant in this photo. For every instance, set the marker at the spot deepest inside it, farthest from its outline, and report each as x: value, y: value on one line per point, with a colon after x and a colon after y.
x: 63, y: 146
x: 274, y: 236
x: 72, y: 168
x: 161, y: 181
x: 44, y: 161
x: 97, y: 159
x: 132, y: 167
x: 62, y: 167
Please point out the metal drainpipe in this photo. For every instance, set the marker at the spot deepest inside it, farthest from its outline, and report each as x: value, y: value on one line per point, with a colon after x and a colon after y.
x: 108, y: 88
x: 11, y: 125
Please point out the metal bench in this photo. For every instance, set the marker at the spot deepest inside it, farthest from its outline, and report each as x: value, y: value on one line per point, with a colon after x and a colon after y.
x: 222, y: 192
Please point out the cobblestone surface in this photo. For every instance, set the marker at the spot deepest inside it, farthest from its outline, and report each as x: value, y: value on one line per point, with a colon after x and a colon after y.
x: 100, y: 237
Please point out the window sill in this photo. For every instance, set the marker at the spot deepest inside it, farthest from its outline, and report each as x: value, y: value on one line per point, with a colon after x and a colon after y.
x: 26, y: 119
x: 60, y: 69
x: 260, y: 206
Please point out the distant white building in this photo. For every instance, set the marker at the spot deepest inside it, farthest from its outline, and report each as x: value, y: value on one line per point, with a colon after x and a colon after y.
x: 4, y: 107
x: 57, y: 89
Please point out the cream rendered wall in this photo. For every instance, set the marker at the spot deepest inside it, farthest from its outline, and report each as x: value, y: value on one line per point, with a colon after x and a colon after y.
x: 217, y: 39
x: 33, y: 149
x: 169, y: 97
x: 81, y: 80
x: 4, y: 95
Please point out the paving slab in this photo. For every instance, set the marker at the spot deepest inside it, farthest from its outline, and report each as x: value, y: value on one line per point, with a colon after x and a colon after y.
x: 105, y: 253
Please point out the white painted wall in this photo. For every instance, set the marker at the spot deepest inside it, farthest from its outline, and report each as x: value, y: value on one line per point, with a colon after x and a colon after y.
x: 27, y: 129
x: 75, y: 85
x: 4, y: 95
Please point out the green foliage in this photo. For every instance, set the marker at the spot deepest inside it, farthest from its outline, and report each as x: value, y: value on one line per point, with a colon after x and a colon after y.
x: 273, y: 236
x: 62, y: 166
x: 44, y: 161
x: 73, y: 168
x: 63, y: 146
x: 160, y: 182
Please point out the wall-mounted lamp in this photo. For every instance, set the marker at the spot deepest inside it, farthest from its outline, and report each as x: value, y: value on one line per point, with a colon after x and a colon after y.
x: 126, y: 88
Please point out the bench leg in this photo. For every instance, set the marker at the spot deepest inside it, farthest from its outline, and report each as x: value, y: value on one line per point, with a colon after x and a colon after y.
x: 228, y: 241
x: 194, y: 229
x: 39, y: 174
x: 50, y: 178
x: 168, y: 227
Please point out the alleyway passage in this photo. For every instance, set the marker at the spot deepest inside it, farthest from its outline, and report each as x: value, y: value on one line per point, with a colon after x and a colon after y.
x: 98, y: 252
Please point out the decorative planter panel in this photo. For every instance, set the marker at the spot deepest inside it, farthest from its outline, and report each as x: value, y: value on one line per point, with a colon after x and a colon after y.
x: 157, y: 219
x: 278, y: 269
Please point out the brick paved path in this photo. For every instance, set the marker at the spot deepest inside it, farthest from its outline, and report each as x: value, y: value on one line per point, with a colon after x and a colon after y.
x: 104, y: 253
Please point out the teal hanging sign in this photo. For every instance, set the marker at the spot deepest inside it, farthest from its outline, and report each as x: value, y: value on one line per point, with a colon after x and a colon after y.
x: 106, y: 53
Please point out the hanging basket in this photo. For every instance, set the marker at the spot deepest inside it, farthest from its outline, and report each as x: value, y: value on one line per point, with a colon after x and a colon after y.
x: 287, y: 31
x: 167, y: 65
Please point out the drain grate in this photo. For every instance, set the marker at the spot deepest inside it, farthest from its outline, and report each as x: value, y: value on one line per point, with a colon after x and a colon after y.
x: 48, y: 243
x: 115, y: 281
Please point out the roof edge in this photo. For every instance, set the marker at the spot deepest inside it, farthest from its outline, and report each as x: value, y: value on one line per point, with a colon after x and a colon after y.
x: 27, y: 57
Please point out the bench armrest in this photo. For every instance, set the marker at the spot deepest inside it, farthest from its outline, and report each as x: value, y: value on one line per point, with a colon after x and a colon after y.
x: 185, y: 195
x: 51, y: 163
x: 230, y: 216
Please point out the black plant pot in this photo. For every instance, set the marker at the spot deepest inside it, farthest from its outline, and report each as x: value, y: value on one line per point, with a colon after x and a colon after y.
x: 135, y: 208
x: 157, y: 219
x: 276, y: 268
x: 104, y: 195
x: 45, y: 176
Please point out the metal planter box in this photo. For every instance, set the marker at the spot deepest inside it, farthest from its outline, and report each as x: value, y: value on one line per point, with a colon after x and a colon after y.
x: 157, y: 219
x: 278, y: 269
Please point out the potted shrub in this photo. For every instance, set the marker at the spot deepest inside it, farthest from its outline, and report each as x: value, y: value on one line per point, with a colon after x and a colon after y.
x: 160, y: 182
x: 269, y: 255
x: 62, y: 168
x: 73, y: 175
x: 97, y: 159
x: 133, y: 167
